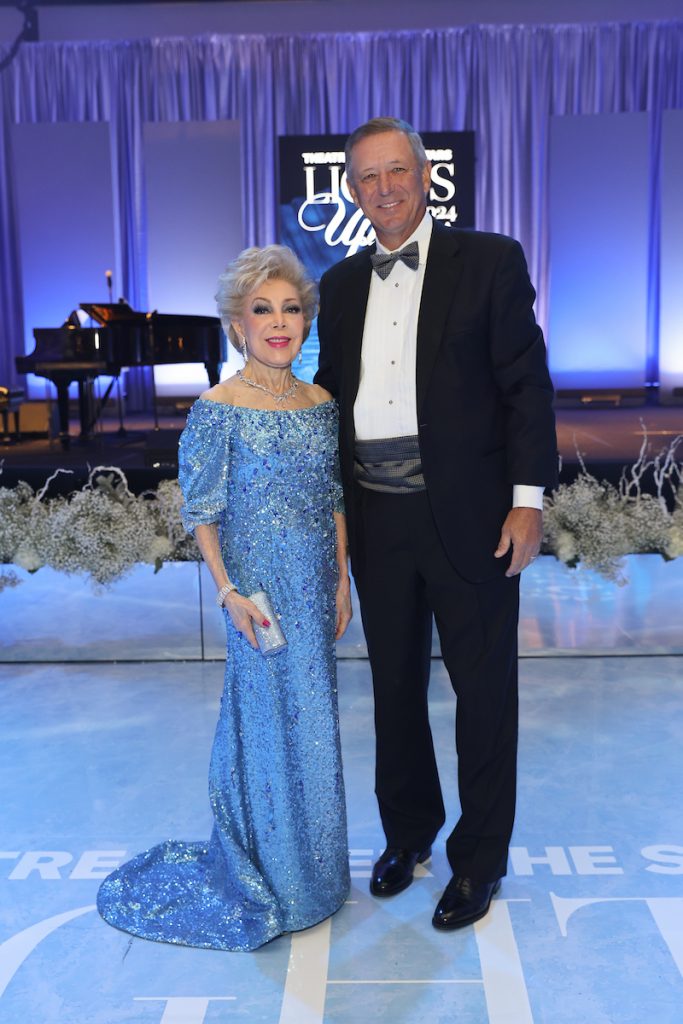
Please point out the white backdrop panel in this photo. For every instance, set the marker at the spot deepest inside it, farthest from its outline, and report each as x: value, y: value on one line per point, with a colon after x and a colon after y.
x: 671, y: 280
x: 66, y: 221
x: 597, y: 335
x: 194, y: 225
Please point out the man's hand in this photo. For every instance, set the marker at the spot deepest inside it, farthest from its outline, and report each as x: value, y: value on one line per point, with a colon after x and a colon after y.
x: 523, y: 531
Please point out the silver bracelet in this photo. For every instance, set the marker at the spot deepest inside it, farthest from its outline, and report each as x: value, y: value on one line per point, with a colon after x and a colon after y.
x: 226, y: 589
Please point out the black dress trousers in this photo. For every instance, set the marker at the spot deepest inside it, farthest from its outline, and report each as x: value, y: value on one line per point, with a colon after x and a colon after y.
x: 404, y: 577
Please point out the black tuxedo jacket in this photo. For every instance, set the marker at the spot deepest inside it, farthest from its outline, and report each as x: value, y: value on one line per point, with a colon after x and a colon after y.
x: 484, y: 396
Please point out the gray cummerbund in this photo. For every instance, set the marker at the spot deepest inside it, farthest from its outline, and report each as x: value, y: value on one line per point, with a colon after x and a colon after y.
x: 391, y: 464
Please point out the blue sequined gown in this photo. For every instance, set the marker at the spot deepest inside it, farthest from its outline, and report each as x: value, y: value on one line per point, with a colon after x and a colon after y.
x: 277, y: 860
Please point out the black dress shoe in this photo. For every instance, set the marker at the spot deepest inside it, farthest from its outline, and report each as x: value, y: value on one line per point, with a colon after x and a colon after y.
x: 393, y: 872
x: 463, y: 902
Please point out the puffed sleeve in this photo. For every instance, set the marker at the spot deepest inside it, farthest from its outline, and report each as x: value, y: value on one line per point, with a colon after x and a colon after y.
x: 203, y: 460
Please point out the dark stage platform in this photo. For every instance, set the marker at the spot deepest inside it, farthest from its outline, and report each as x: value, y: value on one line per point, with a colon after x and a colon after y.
x: 607, y: 438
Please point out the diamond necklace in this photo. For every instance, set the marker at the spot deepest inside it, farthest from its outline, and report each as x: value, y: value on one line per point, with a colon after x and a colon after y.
x: 279, y: 399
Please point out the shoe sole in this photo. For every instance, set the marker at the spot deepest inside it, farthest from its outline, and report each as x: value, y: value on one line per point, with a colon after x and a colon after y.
x: 395, y: 890
x: 463, y: 922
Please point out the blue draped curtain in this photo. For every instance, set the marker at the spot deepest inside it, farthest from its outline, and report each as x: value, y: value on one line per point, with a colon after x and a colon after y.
x: 503, y: 82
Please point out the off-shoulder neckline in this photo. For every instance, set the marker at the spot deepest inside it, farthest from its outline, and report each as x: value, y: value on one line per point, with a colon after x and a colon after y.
x: 229, y: 405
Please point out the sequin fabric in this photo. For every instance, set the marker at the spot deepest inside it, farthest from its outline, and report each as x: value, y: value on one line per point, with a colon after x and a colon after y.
x: 277, y: 860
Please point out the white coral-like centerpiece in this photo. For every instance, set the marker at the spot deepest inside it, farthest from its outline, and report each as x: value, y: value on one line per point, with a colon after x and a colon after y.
x: 103, y: 529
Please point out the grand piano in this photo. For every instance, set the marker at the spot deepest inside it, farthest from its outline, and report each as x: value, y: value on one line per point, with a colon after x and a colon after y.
x: 123, y: 338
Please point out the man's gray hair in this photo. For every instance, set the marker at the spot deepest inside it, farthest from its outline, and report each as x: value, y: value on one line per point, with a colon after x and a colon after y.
x: 378, y: 126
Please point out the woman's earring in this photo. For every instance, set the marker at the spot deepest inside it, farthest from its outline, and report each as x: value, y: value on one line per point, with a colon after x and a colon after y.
x: 301, y: 357
x: 243, y: 347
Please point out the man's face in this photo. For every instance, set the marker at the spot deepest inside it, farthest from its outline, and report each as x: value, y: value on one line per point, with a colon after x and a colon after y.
x: 388, y: 185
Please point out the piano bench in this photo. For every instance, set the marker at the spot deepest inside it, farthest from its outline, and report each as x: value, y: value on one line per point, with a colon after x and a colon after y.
x: 10, y: 402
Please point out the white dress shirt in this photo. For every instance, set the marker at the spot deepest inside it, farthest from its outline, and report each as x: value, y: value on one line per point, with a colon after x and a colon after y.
x: 386, y: 403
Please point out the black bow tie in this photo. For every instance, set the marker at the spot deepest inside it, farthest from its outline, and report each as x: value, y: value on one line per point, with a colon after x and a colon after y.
x: 383, y: 262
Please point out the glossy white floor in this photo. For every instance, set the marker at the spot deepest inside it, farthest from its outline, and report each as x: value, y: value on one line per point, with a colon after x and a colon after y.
x: 101, y: 760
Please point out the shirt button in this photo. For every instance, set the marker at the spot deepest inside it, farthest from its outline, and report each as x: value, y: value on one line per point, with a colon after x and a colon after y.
x: 395, y: 322
x: 391, y: 401
x: 393, y: 362
x: 396, y: 285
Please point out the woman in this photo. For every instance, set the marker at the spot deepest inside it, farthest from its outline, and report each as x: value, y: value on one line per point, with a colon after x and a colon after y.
x: 259, y: 474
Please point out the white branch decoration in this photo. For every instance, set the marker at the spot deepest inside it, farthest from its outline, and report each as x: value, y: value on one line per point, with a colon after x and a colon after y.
x: 103, y: 529
x: 594, y: 523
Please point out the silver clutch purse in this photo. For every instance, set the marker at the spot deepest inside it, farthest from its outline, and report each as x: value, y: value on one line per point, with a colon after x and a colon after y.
x: 271, y: 639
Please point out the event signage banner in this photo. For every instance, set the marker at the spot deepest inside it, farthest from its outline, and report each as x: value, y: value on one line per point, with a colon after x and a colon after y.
x: 321, y: 223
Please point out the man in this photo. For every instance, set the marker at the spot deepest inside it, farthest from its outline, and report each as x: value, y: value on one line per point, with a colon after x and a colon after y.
x: 446, y: 443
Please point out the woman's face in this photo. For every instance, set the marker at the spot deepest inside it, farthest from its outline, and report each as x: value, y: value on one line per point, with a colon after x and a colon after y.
x: 272, y: 324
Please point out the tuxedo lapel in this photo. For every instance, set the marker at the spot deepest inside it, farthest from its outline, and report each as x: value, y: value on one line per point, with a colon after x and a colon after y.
x: 356, y: 288
x: 442, y: 275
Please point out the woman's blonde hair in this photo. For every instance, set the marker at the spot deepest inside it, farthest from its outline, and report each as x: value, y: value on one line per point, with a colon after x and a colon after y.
x: 249, y: 270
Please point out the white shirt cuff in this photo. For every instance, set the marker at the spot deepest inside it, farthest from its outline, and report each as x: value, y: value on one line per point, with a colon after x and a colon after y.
x: 527, y: 496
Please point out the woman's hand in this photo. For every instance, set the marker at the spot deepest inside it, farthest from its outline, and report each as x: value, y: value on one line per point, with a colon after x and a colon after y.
x: 343, y: 603
x: 242, y: 611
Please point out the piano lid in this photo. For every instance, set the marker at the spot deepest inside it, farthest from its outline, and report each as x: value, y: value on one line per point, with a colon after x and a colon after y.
x: 105, y: 313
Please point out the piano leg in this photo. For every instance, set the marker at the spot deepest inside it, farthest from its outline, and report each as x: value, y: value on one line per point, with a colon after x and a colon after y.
x: 119, y: 397
x: 85, y: 407
x: 63, y: 410
x: 213, y: 372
